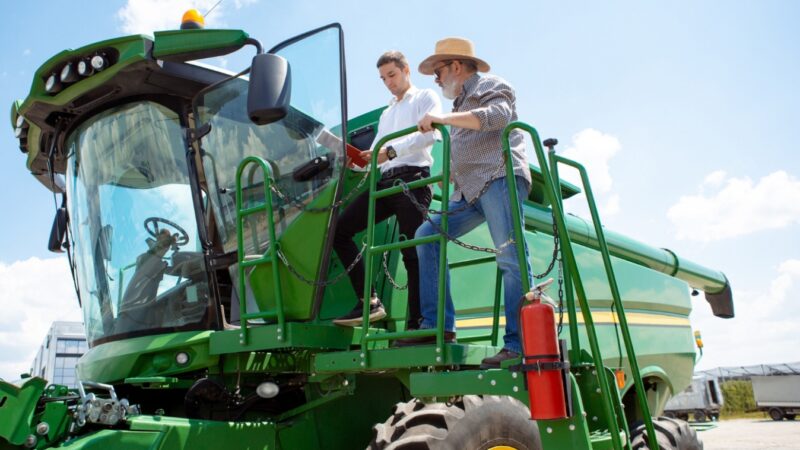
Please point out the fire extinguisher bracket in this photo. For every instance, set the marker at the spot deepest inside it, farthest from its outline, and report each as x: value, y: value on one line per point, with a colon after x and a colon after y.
x: 539, y: 366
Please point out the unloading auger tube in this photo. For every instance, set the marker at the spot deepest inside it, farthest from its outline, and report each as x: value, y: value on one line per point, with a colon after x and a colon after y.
x: 713, y: 283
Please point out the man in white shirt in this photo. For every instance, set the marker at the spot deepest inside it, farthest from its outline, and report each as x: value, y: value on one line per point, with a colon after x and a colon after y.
x: 407, y: 158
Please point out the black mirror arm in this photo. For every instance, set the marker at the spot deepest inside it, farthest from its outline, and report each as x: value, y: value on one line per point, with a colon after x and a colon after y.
x: 256, y: 44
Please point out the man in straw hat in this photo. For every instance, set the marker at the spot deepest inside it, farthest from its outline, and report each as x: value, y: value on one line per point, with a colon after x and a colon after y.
x: 483, y: 105
x: 407, y: 158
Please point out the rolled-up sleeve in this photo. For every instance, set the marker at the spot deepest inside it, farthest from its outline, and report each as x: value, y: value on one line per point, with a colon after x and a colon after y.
x: 497, y: 103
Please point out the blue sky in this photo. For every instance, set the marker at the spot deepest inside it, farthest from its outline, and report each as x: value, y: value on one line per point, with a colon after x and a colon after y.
x: 686, y: 114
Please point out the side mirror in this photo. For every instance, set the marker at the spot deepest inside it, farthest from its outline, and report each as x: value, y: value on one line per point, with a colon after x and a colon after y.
x: 270, y: 89
x: 58, y: 231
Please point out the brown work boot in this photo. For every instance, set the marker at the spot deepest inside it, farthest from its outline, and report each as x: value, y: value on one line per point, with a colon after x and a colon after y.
x: 449, y: 338
x: 493, y: 362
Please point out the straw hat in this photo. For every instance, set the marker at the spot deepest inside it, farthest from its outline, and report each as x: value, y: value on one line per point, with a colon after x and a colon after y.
x: 452, y: 48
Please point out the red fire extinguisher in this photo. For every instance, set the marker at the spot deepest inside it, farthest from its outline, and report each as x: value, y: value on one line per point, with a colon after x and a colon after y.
x: 542, y: 359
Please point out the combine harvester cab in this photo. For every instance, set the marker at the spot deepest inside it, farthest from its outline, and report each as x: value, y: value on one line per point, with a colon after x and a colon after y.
x: 197, y: 211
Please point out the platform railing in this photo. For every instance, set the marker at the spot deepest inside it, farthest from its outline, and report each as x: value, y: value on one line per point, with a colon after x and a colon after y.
x: 552, y: 189
x: 270, y: 256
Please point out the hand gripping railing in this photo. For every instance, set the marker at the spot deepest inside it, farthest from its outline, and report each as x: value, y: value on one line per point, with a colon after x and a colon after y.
x: 550, y: 183
x: 271, y: 256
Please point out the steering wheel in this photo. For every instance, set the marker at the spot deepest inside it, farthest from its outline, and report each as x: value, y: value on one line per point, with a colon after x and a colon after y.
x: 181, y: 237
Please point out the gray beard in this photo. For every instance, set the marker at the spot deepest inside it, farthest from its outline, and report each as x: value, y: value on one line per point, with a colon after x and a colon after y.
x: 450, y: 90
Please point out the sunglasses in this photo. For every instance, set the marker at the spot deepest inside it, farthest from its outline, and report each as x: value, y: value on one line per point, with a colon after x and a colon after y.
x: 438, y: 71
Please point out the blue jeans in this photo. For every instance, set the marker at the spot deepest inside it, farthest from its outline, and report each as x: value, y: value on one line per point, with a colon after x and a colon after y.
x: 494, y: 208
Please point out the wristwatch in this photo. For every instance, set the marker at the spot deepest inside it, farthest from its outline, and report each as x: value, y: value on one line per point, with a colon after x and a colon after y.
x: 391, y: 153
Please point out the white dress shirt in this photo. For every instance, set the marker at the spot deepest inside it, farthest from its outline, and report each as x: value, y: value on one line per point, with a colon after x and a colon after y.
x: 412, y: 149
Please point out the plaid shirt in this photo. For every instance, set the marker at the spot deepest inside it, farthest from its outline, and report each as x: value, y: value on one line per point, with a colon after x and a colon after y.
x: 477, y: 154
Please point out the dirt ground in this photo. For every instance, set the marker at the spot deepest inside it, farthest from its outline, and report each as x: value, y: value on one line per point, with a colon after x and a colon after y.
x: 753, y: 434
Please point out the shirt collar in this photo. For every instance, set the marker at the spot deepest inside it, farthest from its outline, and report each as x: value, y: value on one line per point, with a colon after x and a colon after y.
x: 466, y: 89
x: 411, y: 91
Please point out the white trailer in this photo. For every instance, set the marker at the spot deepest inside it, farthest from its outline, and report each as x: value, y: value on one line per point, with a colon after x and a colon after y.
x: 779, y: 395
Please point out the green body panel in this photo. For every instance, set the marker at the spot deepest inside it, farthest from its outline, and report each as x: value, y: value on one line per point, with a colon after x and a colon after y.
x: 302, y: 242
x: 186, y: 45
x: 17, y: 405
x: 145, y: 356
x: 296, y: 335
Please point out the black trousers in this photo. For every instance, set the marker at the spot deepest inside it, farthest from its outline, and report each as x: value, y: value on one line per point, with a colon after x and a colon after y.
x: 353, y: 220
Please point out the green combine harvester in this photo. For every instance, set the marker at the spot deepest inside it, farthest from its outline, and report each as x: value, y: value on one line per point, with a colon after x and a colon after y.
x: 196, y: 211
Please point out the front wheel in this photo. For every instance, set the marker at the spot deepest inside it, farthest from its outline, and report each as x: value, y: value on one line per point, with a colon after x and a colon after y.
x: 474, y: 422
x: 671, y: 434
x: 699, y: 416
x: 776, y: 414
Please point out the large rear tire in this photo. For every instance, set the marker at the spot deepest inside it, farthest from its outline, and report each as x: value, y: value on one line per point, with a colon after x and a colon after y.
x: 671, y: 434
x: 474, y: 422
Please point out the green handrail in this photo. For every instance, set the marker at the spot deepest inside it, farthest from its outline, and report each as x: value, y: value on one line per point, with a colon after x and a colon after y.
x: 612, y: 281
x: 272, y: 253
x: 563, y: 234
x: 371, y: 249
x: 575, y: 341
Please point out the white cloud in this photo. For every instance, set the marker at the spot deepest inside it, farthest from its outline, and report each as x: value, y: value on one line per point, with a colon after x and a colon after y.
x: 147, y: 16
x: 715, y: 178
x: 764, y: 328
x: 727, y: 207
x: 593, y: 149
x: 34, y: 293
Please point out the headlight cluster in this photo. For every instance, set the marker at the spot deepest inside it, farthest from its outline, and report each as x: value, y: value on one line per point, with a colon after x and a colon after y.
x: 73, y: 71
x: 21, y: 132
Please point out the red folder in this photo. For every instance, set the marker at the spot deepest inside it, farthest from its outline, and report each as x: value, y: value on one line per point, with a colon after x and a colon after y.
x: 333, y: 142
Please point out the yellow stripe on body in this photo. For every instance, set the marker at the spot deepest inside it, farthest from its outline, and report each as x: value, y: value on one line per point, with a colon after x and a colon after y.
x: 600, y: 318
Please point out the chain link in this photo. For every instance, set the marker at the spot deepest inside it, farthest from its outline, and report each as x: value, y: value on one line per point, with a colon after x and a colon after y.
x: 426, y: 212
x: 389, y: 275
x: 311, y: 282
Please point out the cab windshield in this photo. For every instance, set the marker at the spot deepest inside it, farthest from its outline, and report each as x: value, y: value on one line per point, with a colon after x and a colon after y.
x: 139, y: 264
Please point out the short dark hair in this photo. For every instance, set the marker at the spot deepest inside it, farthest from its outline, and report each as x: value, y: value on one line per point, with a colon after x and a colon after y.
x: 393, y: 56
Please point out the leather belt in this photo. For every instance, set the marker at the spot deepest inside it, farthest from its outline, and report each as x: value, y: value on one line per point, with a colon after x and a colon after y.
x: 397, y: 171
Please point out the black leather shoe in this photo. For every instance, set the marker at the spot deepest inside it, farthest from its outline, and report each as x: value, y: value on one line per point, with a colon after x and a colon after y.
x: 449, y: 338
x: 493, y: 362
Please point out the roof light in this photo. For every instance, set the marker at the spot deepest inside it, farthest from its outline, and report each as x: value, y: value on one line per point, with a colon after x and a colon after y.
x: 68, y: 74
x: 20, y: 132
x: 20, y: 120
x: 53, y: 84
x: 84, y: 68
x: 98, y: 63
x: 192, y: 20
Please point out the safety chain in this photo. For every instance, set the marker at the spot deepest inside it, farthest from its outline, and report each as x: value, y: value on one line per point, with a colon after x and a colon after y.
x: 311, y: 282
x: 426, y: 212
x: 424, y: 209
x: 294, y: 201
x: 389, y: 275
x: 555, y: 254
